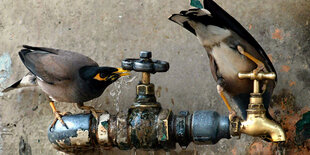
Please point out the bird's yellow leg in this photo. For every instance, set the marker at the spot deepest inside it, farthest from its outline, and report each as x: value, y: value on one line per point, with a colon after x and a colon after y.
x: 57, y: 116
x: 260, y: 65
x: 232, y: 113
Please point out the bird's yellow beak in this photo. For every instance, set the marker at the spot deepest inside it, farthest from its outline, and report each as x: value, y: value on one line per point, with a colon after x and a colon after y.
x: 122, y: 72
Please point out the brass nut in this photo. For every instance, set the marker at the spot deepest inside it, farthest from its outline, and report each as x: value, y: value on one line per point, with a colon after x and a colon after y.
x: 256, y: 100
x: 259, y: 112
x: 256, y: 106
x: 145, y: 89
x: 162, y: 132
x: 234, y: 126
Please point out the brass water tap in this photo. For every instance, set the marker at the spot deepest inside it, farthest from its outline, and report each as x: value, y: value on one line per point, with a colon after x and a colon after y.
x: 256, y: 123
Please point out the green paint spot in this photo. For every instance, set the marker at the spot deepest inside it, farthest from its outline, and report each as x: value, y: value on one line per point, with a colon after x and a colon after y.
x: 164, y: 137
x: 303, y: 124
x: 105, y: 124
x: 196, y: 3
x: 303, y: 129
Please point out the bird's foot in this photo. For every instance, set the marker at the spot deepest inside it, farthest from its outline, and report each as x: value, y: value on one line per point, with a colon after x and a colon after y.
x: 92, y: 110
x: 264, y: 87
x: 260, y: 65
x: 232, y: 115
x: 58, y: 116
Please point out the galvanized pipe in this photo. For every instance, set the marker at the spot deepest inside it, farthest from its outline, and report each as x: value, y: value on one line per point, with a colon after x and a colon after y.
x: 149, y: 131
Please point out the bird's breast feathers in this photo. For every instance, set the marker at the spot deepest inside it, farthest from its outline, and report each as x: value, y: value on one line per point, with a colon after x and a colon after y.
x: 229, y: 61
x: 209, y: 35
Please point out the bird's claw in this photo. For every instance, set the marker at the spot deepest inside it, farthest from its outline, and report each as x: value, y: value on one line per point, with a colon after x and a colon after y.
x: 93, y: 111
x: 260, y: 65
x: 232, y: 115
x: 58, y: 116
x: 259, y: 68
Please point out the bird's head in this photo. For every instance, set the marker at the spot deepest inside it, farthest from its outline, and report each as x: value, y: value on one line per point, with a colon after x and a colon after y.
x: 101, y: 76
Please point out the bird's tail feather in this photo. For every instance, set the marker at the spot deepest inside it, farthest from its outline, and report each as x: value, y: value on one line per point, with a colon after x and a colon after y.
x: 27, y: 81
x: 13, y: 86
x: 183, y: 21
x: 187, y: 17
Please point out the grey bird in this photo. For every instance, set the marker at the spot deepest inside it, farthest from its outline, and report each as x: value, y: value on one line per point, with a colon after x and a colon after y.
x: 65, y: 76
x: 231, y: 49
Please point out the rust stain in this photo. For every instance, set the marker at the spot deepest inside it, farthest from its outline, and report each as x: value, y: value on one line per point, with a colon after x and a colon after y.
x: 292, y: 83
x: 282, y: 105
x: 270, y: 57
x: 250, y: 26
x: 284, y: 111
x: 277, y: 34
x: 234, y: 151
x: 166, y: 89
x: 158, y: 91
x: 285, y: 68
x: 260, y: 147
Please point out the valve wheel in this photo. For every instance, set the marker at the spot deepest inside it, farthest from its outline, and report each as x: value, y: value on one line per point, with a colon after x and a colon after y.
x: 145, y: 64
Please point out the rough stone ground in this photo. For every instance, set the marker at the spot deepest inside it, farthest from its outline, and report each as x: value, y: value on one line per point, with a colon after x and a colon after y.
x: 109, y: 31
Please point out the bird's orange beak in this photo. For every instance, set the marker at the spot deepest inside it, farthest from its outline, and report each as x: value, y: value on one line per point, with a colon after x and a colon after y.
x: 122, y: 72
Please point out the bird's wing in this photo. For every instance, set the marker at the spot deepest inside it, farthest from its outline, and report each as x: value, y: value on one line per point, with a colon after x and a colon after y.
x: 222, y: 16
x: 53, y: 65
x: 183, y: 21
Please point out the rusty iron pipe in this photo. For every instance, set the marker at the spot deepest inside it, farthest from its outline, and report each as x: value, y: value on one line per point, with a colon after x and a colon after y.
x: 140, y: 129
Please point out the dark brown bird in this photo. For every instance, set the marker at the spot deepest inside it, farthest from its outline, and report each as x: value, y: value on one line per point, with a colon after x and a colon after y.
x: 231, y: 49
x: 65, y: 76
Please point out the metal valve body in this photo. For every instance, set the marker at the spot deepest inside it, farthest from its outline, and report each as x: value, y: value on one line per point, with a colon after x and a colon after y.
x: 146, y: 125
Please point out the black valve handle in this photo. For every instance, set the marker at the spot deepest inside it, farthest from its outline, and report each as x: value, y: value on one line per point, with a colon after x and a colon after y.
x: 145, y: 64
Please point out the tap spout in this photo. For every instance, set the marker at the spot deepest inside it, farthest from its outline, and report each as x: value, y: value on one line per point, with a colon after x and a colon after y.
x: 259, y: 125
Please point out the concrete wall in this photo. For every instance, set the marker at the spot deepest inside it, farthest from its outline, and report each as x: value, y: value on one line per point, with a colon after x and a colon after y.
x: 109, y: 31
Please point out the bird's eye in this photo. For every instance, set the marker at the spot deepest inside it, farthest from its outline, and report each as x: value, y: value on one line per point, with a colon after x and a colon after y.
x: 102, y: 75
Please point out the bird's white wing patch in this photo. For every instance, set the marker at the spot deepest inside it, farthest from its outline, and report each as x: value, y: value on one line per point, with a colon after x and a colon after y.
x: 204, y: 12
x: 54, y: 100
x: 40, y: 78
x: 28, y: 80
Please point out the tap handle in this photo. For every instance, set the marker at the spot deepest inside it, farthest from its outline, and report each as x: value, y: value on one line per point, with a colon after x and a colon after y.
x: 145, y: 64
x: 259, y: 76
